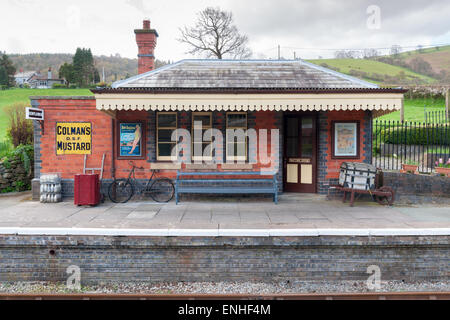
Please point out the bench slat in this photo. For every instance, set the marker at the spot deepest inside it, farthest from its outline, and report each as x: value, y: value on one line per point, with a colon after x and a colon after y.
x: 224, y: 190
x: 225, y: 180
x: 225, y: 173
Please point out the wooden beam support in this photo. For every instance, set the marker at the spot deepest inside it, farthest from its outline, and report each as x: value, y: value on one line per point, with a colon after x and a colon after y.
x: 402, y: 110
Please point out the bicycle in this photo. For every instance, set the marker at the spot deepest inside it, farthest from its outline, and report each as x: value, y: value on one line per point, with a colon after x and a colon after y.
x: 159, y: 189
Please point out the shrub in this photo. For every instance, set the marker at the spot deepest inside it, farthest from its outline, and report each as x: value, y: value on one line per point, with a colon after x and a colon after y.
x: 58, y: 86
x: 20, y: 130
x: 5, y: 148
x: 418, y: 136
x: 102, y: 84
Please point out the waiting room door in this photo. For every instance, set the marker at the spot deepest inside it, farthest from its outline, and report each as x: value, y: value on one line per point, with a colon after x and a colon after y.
x: 300, y: 149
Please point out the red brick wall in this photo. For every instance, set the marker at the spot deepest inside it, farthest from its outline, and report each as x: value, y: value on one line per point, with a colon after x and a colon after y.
x: 65, y: 110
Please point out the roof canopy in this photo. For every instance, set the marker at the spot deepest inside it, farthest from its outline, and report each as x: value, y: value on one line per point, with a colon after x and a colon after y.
x: 254, y: 85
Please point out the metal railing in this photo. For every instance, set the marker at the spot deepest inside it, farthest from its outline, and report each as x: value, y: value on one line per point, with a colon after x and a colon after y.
x: 439, y: 116
x: 418, y: 143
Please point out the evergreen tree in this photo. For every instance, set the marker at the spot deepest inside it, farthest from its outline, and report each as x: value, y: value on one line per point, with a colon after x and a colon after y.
x: 66, y: 71
x: 83, y: 67
x: 7, y: 75
x: 3, y: 77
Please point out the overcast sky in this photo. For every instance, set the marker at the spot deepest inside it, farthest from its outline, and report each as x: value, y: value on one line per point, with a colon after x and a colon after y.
x: 304, y: 26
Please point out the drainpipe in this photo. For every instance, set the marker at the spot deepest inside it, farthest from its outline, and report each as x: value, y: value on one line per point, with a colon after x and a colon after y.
x: 113, y: 161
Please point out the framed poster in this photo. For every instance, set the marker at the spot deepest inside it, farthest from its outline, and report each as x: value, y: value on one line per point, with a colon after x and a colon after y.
x: 130, y: 140
x: 345, y: 139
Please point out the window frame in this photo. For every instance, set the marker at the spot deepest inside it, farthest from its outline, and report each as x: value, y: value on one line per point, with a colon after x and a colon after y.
x: 201, y: 113
x: 236, y: 158
x: 158, y: 157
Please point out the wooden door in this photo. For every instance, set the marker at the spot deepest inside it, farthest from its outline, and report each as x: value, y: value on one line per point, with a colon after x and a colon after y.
x: 300, y: 149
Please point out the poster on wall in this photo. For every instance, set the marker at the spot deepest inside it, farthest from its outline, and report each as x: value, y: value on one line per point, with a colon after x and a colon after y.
x: 345, y: 139
x: 130, y: 139
x: 73, y: 138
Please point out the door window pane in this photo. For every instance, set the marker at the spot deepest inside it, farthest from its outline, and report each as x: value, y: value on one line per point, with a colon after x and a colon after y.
x: 292, y: 127
x: 307, y: 126
x: 292, y: 147
x: 307, y: 137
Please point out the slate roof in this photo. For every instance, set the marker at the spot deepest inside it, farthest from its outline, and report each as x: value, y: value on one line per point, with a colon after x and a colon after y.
x: 250, y: 74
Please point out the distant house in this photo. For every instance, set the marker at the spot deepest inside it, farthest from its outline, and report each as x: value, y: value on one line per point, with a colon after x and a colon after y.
x: 24, y: 77
x: 39, y: 81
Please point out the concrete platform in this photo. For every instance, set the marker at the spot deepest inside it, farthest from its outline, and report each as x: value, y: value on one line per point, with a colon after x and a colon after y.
x: 310, y: 213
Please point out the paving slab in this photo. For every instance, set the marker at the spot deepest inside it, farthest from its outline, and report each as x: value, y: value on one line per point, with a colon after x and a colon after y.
x: 292, y: 212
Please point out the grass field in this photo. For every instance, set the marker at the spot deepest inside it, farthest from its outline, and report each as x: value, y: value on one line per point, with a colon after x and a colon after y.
x: 370, y: 66
x: 12, y: 96
x: 414, y: 109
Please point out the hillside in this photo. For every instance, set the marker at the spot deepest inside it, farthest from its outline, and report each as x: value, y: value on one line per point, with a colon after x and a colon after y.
x: 375, y: 71
x: 437, y: 57
x: 116, y: 67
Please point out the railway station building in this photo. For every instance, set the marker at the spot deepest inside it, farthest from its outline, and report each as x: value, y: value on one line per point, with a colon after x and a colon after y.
x: 306, y: 118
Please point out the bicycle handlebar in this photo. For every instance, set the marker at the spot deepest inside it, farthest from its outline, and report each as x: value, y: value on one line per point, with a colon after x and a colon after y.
x: 131, y: 163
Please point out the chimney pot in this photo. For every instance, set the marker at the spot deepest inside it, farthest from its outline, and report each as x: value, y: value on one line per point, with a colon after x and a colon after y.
x: 146, y: 25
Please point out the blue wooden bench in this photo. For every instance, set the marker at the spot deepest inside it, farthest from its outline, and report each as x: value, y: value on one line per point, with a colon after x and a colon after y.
x: 216, y: 183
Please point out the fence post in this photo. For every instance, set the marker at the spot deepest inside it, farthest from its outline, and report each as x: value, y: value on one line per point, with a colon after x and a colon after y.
x: 447, y: 102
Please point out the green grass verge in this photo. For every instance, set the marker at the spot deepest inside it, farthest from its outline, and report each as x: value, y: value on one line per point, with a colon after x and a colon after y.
x: 12, y: 96
x: 414, y: 109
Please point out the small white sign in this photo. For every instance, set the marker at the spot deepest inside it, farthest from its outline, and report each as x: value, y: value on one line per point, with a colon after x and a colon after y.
x: 34, y: 114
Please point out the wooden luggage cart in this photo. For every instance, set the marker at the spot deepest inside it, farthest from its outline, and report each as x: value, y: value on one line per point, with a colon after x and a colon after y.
x: 363, y: 178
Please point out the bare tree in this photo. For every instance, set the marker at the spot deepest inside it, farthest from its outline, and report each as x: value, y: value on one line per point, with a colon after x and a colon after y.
x: 370, y: 53
x: 215, y: 35
x: 395, y: 50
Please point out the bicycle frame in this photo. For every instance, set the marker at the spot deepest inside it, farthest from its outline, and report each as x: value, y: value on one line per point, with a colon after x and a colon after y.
x: 135, y: 182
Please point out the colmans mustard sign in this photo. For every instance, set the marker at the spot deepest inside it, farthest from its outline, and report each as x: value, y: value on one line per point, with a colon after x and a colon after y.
x: 73, y: 138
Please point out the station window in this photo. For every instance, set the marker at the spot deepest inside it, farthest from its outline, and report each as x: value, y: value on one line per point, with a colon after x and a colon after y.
x: 205, y: 118
x: 236, y: 148
x: 166, y: 123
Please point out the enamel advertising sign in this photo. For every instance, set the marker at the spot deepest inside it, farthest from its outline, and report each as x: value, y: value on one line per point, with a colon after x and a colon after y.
x: 73, y: 138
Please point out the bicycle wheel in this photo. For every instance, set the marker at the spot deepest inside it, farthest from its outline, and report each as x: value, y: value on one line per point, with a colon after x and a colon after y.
x: 120, y: 191
x: 162, y: 190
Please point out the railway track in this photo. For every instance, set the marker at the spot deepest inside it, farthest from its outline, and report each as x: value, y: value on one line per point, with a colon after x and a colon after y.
x: 302, y: 296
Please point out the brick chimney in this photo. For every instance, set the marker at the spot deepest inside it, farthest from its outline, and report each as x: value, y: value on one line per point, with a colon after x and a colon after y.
x: 146, y: 41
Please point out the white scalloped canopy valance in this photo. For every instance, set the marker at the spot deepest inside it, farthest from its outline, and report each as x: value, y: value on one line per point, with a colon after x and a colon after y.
x: 251, y: 102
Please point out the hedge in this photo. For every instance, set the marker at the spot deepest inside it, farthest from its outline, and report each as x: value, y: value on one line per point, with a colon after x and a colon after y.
x: 418, y: 136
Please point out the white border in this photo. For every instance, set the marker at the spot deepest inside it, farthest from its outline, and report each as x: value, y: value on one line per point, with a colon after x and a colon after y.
x: 226, y: 232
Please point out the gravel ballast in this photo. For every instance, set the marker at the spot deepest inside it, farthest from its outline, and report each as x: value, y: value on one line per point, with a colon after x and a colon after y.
x: 227, y: 287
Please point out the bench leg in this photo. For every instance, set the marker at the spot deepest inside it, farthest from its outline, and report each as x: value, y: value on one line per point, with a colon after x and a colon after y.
x: 352, y: 198
x: 176, y: 197
x: 275, y: 197
x: 344, y: 198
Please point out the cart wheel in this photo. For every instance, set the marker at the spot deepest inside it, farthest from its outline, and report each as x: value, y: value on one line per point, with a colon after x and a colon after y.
x: 386, y: 200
